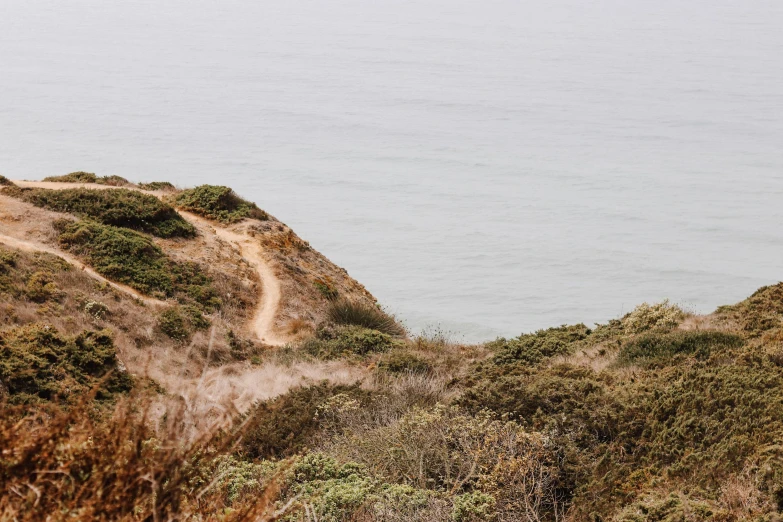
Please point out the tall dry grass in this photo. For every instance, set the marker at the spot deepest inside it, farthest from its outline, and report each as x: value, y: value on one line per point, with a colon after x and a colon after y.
x: 77, y: 464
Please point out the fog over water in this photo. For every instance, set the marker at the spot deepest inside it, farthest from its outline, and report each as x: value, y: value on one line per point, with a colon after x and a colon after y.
x: 493, y: 167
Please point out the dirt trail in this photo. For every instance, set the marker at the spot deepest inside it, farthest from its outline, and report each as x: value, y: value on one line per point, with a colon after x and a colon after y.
x: 38, y: 247
x: 264, y: 316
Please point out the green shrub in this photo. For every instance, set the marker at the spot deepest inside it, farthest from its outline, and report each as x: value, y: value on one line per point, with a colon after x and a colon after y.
x: 74, y: 177
x: 41, y: 287
x: 179, y: 322
x: 646, y: 317
x: 473, y: 507
x: 656, y: 348
x: 117, y: 207
x: 759, y: 313
x: 89, y: 177
x: 7, y: 259
x: 218, y: 203
x: 285, y: 425
x: 96, y: 309
x: 37, y: 363
x: 114, y: 181
x: 133, y: 259
x: 366, y: 315
x: 562, y: 397
x: 5, y: 182
x: 342, y: 341
x: 535, y: 347
x: 334, y: 491
x: 400, y: 361
x: 157, y: 185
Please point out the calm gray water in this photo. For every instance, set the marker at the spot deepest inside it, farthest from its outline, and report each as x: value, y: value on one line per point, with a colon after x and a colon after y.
x: 493, y: 167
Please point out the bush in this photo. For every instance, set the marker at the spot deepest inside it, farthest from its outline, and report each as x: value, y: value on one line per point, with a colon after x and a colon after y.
x: 5, y: 182
x: 342, y: 341
x: 474, y: 507
x: 535, y: 347
x: 74, y: 177
x: 41, y: 287
x: 89, y: 177
x: 652, y: 348
x: 96, y: 309
x: 37, y: 363
x: 400, y: 361
x: 285, y: 425
x: 218, y: 203
x: 157, y: 185
x: 663, y: 316
x: 444, y: 449
x: 366, y: 315
x: 179, y: 322
x: 118, y: 207
x: 7, y: 259
x: 74, y: 464
x: 759, y: 313
x: 133, y: 259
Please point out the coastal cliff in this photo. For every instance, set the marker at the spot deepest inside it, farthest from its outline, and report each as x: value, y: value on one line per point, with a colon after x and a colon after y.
x: 180, y: 354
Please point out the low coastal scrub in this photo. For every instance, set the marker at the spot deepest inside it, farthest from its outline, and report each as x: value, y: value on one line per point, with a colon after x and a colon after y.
x: 332, y: 342
x: 133, y: 259
x: 646, y: 317
x: 5, y: 182
x: 535, y: 347
x: 761, y: 312
x: 89, y: 177
x: 363, y: 314
x: 179, y: 322
x: 664, y: 348
x: 218, y: 203
x: 76, y: 464
x: 157, y: 185
x: 655, y: 416
x: 286, y: 425
x: 38, y: 364
x: 118, y: 207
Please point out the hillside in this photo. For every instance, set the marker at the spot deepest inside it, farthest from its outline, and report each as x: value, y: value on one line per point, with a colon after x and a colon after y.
x: 180, y: 354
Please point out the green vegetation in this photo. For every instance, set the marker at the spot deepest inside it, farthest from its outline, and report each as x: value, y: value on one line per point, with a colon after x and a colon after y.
x: 179, y: 322
x: 363, y: 314
x: 5, y: 182
x: 655, y: 416
x: 157, y: 185
x: 402, y: 362
x: 117, y: 207
x: 646, y: 317
x: 286, y: 425
x: 759, y: 313
x: 39, y: 364
x: 132, y: 258
x: 346, y: 341
x: 533, y: 348
x: 217, y: 203
x: 662, y: 348
x: 89, y: 177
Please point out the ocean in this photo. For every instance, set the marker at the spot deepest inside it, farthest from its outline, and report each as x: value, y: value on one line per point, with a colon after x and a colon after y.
x: 484, y: 168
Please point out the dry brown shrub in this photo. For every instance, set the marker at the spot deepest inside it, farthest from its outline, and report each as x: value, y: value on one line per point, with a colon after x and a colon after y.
x: 79, y: 465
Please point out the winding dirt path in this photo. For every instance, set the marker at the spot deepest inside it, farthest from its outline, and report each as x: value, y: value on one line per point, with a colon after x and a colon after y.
x: 263, y: 322
x: 31, y: 246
